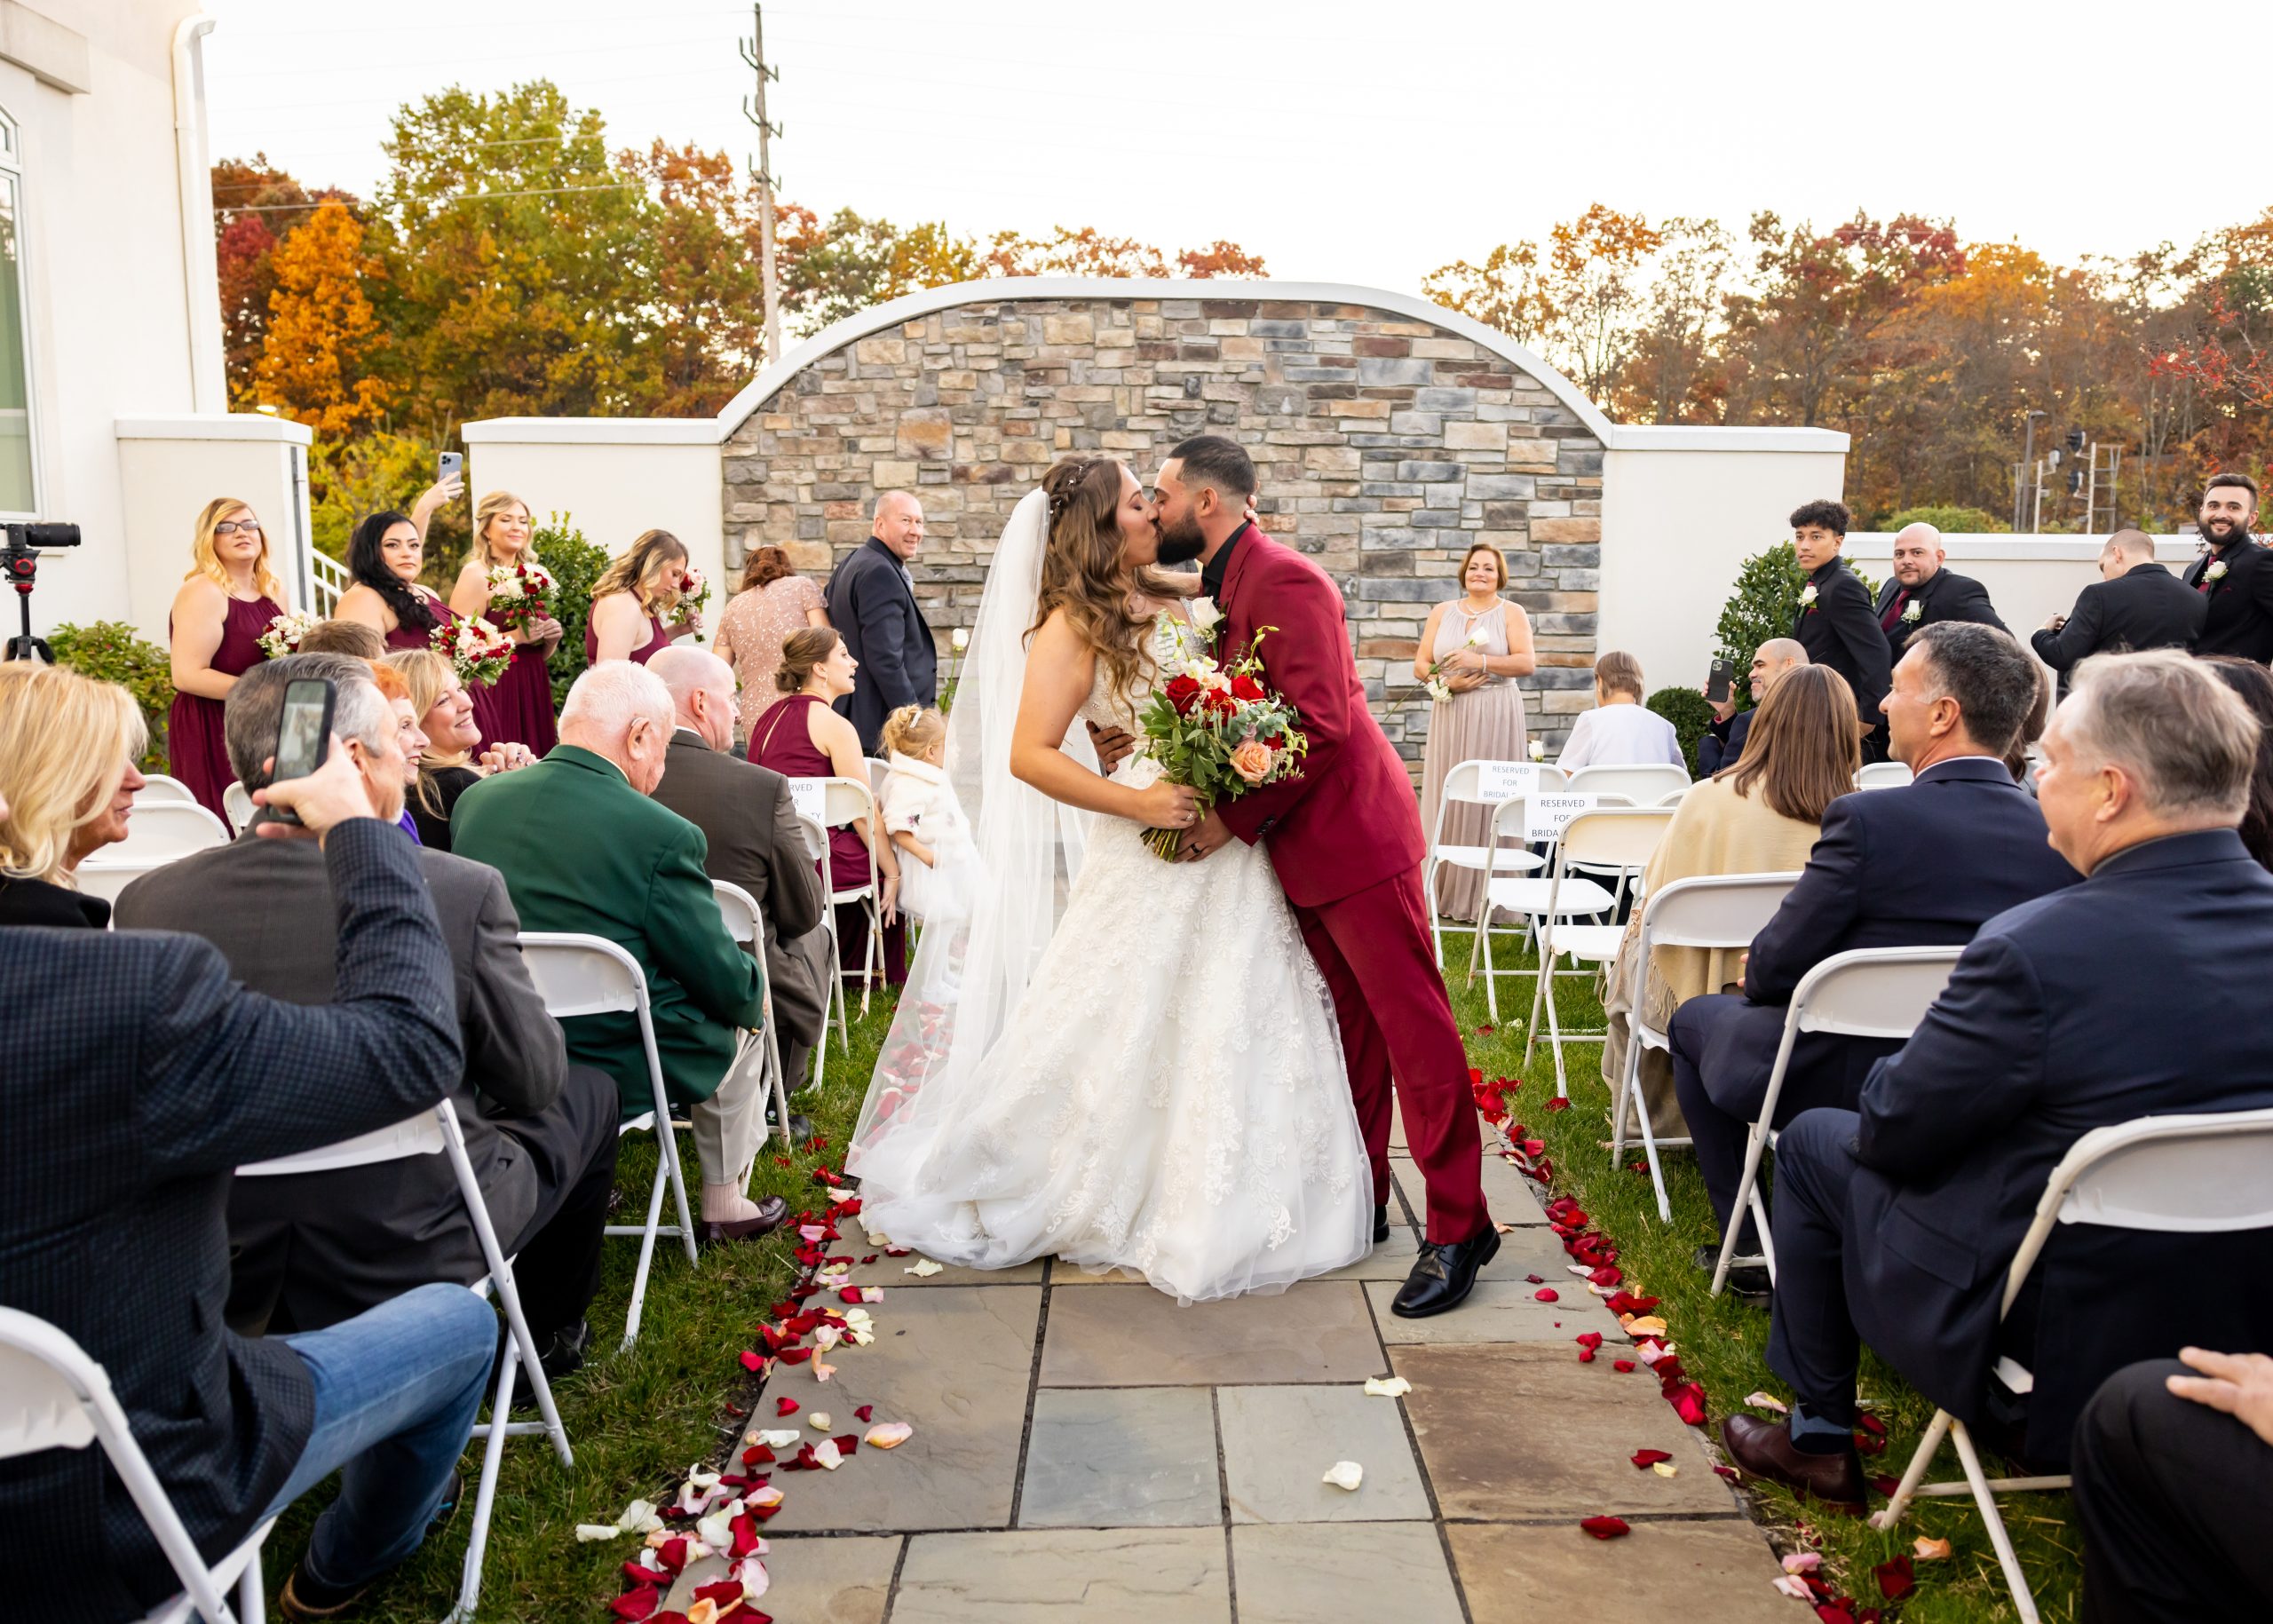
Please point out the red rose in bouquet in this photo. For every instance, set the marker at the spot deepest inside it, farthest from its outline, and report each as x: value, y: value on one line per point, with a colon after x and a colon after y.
x: 1216, y: 729
x: 1182, y: 692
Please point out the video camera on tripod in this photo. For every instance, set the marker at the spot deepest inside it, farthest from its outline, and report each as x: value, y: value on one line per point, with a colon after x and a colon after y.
x: 19, y: 549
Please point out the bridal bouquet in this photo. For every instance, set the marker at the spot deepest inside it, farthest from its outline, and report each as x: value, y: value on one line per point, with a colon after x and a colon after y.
x: 517, y: 594
x: 475, y: 650
x: 284, y: 633
x: 1212, y: 727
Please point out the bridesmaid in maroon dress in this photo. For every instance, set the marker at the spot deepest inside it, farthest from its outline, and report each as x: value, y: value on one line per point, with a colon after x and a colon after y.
x: 225, y: 602
x: 517, y: 708
x: 384, y: 557
x: 801, y: 737
x: 636, y: 608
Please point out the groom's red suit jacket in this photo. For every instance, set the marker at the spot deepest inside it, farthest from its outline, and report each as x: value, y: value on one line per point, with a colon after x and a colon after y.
x: 1351, y: 819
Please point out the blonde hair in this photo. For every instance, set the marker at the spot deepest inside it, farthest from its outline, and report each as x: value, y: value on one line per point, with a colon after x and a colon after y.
x: 1620, y: 672
x: 911, y: 730
x: 487, y: 509
x: 206, y: 561
x: 66, y: 741
x: 427, y: 675
x: 629, y: 573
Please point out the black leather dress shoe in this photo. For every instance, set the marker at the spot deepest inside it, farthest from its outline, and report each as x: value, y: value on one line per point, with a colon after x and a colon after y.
x: 1747, y: 1283
x: 773, y: 1213
x: 1445, y: 1275
x: 1380, y: 1224
x: 1764, y: 1449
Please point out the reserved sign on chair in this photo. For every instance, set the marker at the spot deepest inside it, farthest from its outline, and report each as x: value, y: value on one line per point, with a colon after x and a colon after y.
x: 1544, y: 815
x: 809, y: 797
x: 1504, y: 781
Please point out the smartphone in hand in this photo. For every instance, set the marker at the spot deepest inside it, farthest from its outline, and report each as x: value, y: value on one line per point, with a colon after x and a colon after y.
x: 303, y: 737
x: 1718, y: 684
x: 453, y: 466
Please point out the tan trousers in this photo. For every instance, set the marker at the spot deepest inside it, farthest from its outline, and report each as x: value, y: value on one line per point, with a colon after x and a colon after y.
x: 730, y: 1126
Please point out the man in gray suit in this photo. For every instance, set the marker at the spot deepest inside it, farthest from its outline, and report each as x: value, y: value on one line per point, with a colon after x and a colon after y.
x: 309, y: 1250
x: 745, y: 813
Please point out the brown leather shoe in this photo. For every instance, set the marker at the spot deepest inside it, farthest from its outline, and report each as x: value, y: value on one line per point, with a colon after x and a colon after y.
x: 1764, y: 1449
x: 773, y: 1213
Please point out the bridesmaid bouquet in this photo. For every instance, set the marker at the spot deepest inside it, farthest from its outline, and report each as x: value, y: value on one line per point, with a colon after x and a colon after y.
x: 475, y: 650
x: 1438, y: 688
x: 694, y: 594
x: 1215, y: 728
x: 517, y: 594
x: 284, y: 633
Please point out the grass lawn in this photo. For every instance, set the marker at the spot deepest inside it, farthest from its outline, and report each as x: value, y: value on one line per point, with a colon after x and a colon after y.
x: 635, y: 1419
x: 1723, y: 1344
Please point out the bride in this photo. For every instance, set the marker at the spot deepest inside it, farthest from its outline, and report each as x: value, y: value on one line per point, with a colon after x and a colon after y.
x: 1115, y: 1059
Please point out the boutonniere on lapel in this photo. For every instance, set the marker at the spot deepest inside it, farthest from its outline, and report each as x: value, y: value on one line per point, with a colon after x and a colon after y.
x: 1206, y: 617
x: 1913, y: 612
x: 2216, y: 572
x: 1807, y: 599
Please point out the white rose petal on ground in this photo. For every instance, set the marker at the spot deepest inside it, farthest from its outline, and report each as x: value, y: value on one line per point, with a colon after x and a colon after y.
x: 1387, y: 1387
x: 828, y: 1456
x: 888, y: 1434
x: 1344, y: 1474
x: 922, y: 1268
x: 587, y: 1533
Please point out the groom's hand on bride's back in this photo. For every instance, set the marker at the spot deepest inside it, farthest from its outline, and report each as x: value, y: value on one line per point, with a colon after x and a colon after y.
x: 1112, y: 746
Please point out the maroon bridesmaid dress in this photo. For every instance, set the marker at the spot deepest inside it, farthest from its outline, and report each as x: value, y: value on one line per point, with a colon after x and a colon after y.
x: 517, y: 708
x: 660, y: 638
x: 196, y: 752
x: 783, y: 741
x: 406, y: 636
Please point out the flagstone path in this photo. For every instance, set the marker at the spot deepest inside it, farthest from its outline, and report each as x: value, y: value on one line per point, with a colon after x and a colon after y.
x: 1084, y: 1448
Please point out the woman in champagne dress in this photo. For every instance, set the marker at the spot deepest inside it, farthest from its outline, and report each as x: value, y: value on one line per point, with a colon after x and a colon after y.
x: 1478, y: 644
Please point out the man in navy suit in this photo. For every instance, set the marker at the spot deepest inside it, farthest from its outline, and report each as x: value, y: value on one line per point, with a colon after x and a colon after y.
x: 1723, y: 743
x: 1917, y: 867
x: 2104, y: 1002
x: 871, y: 600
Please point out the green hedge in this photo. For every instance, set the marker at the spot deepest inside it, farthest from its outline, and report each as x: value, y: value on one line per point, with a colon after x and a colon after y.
x: 1691, y: 714
x: 574, y: 564
x: 110, y: 651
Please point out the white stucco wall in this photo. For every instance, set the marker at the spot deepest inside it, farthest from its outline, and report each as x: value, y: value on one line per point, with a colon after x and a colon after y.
x: 168, y: 467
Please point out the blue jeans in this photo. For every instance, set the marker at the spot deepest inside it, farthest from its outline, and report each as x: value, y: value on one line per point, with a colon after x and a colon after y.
x: 396, y: 1391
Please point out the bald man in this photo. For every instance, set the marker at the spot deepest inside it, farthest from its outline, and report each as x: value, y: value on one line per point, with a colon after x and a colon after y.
x: 1723, y: 742
x: 871, y: 602
x: 1920, y: 591
x: 2136, y: 605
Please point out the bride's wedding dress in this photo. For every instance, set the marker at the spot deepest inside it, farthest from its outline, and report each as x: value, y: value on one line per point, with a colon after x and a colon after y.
x: 1164, y: 1092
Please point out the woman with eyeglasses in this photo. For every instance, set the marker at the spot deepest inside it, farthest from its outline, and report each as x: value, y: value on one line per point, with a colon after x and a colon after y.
x: 228, y: 600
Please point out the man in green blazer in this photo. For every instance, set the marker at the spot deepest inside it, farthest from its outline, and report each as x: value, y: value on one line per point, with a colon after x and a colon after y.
x: 584, y: 849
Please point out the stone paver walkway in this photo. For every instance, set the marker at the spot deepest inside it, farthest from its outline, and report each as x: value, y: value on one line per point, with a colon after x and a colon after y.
x: 1084, y: 1448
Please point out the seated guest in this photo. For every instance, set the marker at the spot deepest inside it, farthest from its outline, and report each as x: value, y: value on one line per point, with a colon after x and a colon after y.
x: 2016, y: 756
x: 2172, y: 1472
x: 1896, y: 1222
x: 67, y: 749
x: 749, y: 826
x: 2255, y: 684
x: 139, y: 1078
x: 343, y: 637
x: 584, y: 848
x: 1917, y: 867
x: 1723, y: 738
x: 410, y: 738
x: 315, y: 1248
x: 446, y: 714
x: 1760, y: 815
x: 2136, y: 605
x: 1620, y: 731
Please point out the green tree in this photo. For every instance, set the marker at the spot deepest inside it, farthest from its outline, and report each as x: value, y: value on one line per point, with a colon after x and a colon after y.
x: 110, y: 650
x: 1691, y: 714
x: 574, y: 564
x: 1949, y: 520
x: 1764, y: 605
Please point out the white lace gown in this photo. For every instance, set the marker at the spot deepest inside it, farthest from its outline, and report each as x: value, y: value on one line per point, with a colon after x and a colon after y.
x: 1169, y: 1096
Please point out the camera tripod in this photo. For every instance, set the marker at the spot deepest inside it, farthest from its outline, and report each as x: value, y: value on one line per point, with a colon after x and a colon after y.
x: 20, y: 547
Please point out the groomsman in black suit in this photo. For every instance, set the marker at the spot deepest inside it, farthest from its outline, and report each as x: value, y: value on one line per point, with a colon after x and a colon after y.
x: 1918, y: 867
x: 1835, y: 624
x: 2234, y: 573
x: 2135, y: 606
x: 871, y: 600
x: 1920, y: 592
x: 1895, y: 1223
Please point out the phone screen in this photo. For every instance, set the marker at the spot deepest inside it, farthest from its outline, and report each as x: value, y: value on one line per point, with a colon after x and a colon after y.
x: 304, y: 736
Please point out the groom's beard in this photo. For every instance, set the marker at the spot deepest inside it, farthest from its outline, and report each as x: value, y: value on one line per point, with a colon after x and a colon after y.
x: 1181, y: 544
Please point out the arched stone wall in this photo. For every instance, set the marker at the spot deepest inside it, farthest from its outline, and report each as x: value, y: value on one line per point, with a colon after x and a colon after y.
x: 1386, y: 445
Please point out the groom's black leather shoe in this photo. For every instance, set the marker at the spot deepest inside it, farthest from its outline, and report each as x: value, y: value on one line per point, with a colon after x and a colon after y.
x: 1380, y: 1224
x: 1445, y: 1275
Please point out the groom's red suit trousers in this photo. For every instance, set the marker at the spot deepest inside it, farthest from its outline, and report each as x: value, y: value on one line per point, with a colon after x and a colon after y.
x: 1345, y: 840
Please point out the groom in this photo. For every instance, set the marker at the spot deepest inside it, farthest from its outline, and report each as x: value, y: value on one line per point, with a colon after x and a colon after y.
x: 1345, y: 839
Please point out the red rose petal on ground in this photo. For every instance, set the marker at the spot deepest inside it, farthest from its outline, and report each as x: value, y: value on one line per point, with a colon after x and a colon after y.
x: 1607, y: 1276
x: 639, y: 1602
x: 1475, y: 1075
x: 1546, y: 1294
x: 783, y: 1161
x: 1533, y: 1279
x: 640, y: 1574
x: 1884, y: 1483
x: 1689, y: 1404
x: 1605, y: 1527
x: 1586, y: 1356
x: 785, y: 1406
x: 724, y: 1592
x: 1895, y: 1578
x: 1871, y: 1424
x: 736, y: 1411
x: 758, y: 1454
x: 672, y: 1552
x: 744, y: 1531
x: 846, y: 1445
x: 1621, y: 1365
x: 1644, y: 1459
x: 1830, y: 1614
x: 864, y: 1411
x: 1588, y: 1339
x: 871, y: 1258
x: 795, y: 1355
x: 750, y: 1361
x: 849, y: 1294
x: 1564, y: 1104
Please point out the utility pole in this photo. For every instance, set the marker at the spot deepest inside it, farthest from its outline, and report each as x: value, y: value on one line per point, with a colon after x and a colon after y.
x: 753, y: 109
x: 2025, y: 470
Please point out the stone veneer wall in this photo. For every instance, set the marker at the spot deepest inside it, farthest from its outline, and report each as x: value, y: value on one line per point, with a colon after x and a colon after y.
x: 1385, y: 447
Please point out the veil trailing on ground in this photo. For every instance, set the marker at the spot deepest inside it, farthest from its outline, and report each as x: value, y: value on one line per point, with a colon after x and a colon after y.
x: 969, y: 973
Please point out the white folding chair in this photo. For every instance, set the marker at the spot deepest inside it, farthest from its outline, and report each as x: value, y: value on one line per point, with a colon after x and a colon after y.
x: 1672, y: 797
x: 1868, y: 993
x: 846, y: 801
x: 157, y: 787
x: 1643, y: 784
x: 238, y: 800
x: 579, y: 975
x: 878, y: 771
x: 423, y: 1135
x: 1530, y: 899
x: 53, y: 1396
x: 1883, y: 775
x: 1714, y: 912
x: 747, y: 925
x: 2187, y: 1175
x: 156, y: 833
x: 1617, y: 840
x: 817, y: 848
x: 1464, y: 788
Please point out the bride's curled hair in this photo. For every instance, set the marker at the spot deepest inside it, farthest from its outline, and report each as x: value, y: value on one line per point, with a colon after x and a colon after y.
x: 1083, y: 573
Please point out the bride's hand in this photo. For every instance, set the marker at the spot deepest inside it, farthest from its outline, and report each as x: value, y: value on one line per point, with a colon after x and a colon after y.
x: 1166, y: 806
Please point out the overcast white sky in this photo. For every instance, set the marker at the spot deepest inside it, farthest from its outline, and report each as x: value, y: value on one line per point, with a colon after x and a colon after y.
x: 1343, y: 143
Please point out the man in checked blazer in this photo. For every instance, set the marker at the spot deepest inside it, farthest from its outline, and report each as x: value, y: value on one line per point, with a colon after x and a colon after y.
x: 139, y: 1078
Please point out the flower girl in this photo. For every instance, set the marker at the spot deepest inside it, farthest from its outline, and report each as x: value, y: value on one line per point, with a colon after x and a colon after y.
x: 939, y: 864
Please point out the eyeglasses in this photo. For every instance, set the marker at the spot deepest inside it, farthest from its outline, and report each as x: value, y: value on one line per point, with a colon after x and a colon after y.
x: 233, y: 526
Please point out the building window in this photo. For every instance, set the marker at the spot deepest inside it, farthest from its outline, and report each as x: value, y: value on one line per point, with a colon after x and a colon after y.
x: 18, y: 491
